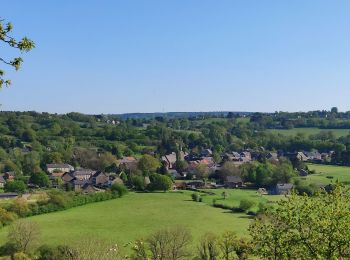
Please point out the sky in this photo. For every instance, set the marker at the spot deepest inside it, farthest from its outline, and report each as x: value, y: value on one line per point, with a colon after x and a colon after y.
x: 120, y: 56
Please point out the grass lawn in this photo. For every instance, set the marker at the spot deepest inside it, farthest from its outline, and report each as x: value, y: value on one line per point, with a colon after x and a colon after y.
x: 326, y: 174
x: 309, y: 131
x: 134, y: 216
x: 234, y: 196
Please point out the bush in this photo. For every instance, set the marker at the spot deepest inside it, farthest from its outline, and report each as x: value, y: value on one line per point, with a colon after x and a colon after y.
x: 195, y: 196
x: 20, y: 207
x: 246, y: 204
x: 159, y: 182
x: 6, y: 217
x: 15, y: 186
x: 54, y: 253
x: 138, y: 182
x: 119, y: 189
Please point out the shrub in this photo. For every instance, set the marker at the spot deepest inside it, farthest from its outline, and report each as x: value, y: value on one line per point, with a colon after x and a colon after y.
x: 159, y: 182
x: 246, y: 204
x: 6, y: 217
x: 54, y: 253
x: 119, y: 189
x: 195, y: 196
x: 138, y: 182
x: 15, y: 186
x: 20, y: 207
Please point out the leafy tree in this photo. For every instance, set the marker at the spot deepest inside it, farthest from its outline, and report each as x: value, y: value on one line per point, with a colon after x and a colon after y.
x: 148, y: 164
x: 228, y: 169
x: 181, y: 165
x: 15, y: 186
x: 201, y: 171
x: 303, y: 227
x: 24, y: 45
x: 160, y: 182
x: 41, y: 179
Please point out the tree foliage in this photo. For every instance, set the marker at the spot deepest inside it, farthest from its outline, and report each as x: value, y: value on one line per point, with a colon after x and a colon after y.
x: 303, y: 227
x: 23, y: 45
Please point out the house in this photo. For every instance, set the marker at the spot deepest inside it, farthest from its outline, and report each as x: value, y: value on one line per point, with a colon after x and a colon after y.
x: 169, y: 160
x: 83, y: 174
x: 301, y: 157
x: 128, y: 163
x: 78, y: 184
x: 314, y: 156
x: 59, y: 167
x: 89, y: 188
x: 272, y: 156
x: 56, y: 175
x: 233, y: 182
x: 2, y: 182
x: 283, y: 188
x: 207, y: 153
x: 246, y: 156
x: 209, y: 161
x: 100, y: 179
x: 67, y: 177
x: 9, y: 176
x: 234, y: 156
x: 175, y: 174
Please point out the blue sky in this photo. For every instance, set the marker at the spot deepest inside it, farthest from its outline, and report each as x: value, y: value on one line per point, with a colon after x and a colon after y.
x: 122, y: 56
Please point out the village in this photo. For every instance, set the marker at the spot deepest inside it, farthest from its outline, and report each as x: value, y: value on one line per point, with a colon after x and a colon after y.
x: 88, y: 181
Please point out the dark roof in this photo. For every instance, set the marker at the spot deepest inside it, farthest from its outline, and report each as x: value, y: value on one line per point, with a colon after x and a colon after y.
x: 234, y: 179
x: 2, y: 180
x: 79, y: 182
x: 98, y: 173
x: 67, y: 177
x: 84, y: 172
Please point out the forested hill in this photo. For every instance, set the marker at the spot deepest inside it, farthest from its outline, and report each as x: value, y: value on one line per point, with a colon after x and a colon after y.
x: 171, y: 115
x: 29, y: 140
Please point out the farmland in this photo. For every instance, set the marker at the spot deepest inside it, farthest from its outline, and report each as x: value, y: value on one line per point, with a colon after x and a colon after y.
x: 135, y: 216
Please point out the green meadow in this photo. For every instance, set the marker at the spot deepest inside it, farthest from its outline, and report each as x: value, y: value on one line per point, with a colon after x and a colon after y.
x: 135, y: 216
x: 326, y: 174
x: 234, y: 196
x: 309, y: 131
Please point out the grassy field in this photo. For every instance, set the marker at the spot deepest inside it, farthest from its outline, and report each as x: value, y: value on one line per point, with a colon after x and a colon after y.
x: 234, y: 196
x: 326, y: 174
x: 134, y: 216
x: 309, y: 131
